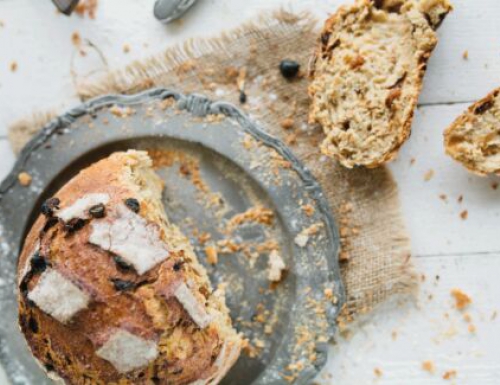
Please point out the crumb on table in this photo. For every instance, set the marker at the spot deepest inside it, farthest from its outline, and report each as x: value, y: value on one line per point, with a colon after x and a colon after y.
x: 462, y: 300
x: 428, y: 366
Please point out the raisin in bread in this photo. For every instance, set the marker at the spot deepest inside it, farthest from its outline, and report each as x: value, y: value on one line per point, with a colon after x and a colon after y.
x: 474, y: 138
x: 111, y: 292
x: 367, y: 75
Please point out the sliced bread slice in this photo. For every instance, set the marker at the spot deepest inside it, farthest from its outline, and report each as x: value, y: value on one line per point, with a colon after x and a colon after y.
x: 474, y: 137
x: 367, y: 75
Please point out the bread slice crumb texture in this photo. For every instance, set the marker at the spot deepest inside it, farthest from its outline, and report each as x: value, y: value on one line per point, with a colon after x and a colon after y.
x: 367, y: 76
x: 474, y: 138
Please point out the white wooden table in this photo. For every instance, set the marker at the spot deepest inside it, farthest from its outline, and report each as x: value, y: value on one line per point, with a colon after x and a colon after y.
x: 449, y: 252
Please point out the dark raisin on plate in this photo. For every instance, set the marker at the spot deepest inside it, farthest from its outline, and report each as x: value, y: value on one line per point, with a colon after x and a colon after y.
x: 289, y: 68
x: 122, y: 285
x: 38, y: 263
x: 51, y: 222
x: 133, y: 204
x: 74, y: 225
x: 178, y: 265
x: 122, y: 264
x: 97, y: 211
x: 49, y: 206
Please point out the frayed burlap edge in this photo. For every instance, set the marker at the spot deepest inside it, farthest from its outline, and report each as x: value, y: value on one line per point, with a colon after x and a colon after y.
x: 375, y: 247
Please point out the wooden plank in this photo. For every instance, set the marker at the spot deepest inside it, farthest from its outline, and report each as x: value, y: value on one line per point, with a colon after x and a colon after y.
x: 43, y: 79
x: 435, y: 224
x: 398, y: 338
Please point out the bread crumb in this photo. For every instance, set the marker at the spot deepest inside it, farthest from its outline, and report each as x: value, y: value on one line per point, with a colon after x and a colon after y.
x: 450, y: 374
x: 494, y: 315
x: 308, y: 209
x: 494, y: 185
x: 394, y: 335
x: 428, y: 366
x: 76, y: 39
x: 287, y: 123
x: 412, y: 161
x: 126, y: 48
x: 471, y: 328
x: 460, y: 199
x: 429, y: 175
x: 86, y: 7
x: 465, y: 55
x: 464, y: 215
x: 13, y: 66
x: 276, y: 267
x: 443, y: 197
x: 24, y: 179
x: 212, y: 256
x: 204, y: 238
x: 462, y: 300
x: 344, y: 256
x: 377, y: 372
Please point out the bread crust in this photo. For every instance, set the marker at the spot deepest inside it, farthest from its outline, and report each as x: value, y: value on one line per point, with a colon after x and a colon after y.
x: 473, y: 138
x: 187, y: 352
x: 339, y: 67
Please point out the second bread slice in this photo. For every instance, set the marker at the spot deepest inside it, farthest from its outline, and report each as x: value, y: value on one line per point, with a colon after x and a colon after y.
x: 367, y: 76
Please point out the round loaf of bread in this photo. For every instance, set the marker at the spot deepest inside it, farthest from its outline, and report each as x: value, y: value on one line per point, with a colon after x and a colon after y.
x: 112, y: 293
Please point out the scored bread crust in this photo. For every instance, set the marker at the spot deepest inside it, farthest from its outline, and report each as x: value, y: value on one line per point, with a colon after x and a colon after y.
x: 187, y: 352
x: 473, y: 139
x: 367, y: 74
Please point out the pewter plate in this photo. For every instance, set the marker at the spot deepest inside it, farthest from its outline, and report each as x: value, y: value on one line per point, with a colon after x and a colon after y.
x: 216, y: 164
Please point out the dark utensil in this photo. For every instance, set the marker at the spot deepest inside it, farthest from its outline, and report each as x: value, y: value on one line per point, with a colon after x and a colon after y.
x: 66, y: 6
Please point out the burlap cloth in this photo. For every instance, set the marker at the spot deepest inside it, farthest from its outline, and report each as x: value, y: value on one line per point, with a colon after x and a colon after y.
x: 375, y: 247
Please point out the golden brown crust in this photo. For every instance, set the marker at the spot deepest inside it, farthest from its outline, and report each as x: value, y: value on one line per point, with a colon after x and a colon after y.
x: 473, y: 138
x: 345, y: 62
x: 186, y: 352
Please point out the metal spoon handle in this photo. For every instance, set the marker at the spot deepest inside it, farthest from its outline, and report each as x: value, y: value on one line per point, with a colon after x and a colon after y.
x: 66, y: 6
x: 170, y: 10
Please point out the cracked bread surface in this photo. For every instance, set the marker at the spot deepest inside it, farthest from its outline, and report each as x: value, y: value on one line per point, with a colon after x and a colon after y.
x: 135, y: 328
x: 473, y: 139
x: 367, y: 74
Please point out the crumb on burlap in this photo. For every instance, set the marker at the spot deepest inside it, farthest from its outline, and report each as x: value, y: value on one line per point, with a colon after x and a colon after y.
x: 13, y: 66
x: 428, y: 366
x: 464, y: 215
x: 126, y: 48
x: 86, y: 7
x: 462, y: 300
x: 377, y: 372
x: 24, y: 179
x: 211, y: 253
x: 287, y: 123
x: 465, y: 55
x: 429, y: 175
x: 449, y: 375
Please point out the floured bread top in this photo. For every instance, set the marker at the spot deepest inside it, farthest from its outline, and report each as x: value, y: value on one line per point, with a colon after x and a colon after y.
x: 111, y: 292
x: 474, y: 138
x: 367, y: 76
